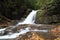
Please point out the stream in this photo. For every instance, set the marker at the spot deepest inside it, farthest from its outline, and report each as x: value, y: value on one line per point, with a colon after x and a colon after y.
x: 30, y: 19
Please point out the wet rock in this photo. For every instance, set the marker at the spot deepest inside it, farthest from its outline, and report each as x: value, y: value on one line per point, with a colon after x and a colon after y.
x: 37, y: 36
x: 31, y: 36
x: 43, y: 18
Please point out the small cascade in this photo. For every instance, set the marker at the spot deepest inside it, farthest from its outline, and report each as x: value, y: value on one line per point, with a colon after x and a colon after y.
x: 21, y: 32
x: 30, y: 18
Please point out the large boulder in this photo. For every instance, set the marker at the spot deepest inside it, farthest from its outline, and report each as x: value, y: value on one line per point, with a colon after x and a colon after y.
x: 42, y: 18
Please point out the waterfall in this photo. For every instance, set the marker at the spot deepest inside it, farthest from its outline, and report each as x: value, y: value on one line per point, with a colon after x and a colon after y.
x: 30, y: 18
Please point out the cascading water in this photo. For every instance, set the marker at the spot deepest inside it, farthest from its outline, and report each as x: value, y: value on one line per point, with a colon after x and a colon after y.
x: 29, y: 20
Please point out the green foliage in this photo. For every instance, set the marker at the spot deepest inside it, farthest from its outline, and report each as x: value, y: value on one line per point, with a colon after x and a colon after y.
x: 49, y: 13
x: 41, y: 12
x: 16, y: 8
x: 34, y: 4
x: 37, y: 4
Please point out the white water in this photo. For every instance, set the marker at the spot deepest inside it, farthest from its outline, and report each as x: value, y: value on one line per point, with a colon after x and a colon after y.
x: 29, y: 20
x: 22, y: 31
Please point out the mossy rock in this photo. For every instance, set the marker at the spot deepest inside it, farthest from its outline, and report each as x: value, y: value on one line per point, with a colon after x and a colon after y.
x: 49, y: 13
x: 43, y: 18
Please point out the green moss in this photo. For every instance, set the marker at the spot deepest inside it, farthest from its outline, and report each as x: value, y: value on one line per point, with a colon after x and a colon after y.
x: 49, y: 12
x: 42, y: 18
